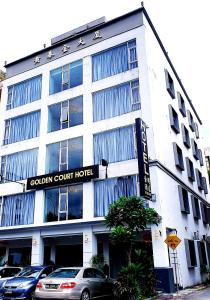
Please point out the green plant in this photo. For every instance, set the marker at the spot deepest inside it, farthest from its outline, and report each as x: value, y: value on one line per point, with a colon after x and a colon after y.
x: 126, y: 217
x: 97, y: 261
x: 127, y: 286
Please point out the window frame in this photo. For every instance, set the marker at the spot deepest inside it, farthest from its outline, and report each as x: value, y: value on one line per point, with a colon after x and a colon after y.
x: 169, y: 84
x: 185, y: 136
x: 195, y: 149
x: 191, y: 256
x: 199, y: 179
x: 181, y: 104
x: 184, y: 200
x: 195, y: 207
x: 174, y: 119
x: 190, y: 120
x: 190, y: 169
x: 178, y: 157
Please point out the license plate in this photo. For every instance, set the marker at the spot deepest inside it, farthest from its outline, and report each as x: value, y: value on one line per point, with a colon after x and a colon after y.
x: 51, y: 286
x: 8, y: 292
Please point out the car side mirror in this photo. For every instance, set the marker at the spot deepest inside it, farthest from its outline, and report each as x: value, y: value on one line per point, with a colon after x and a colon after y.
x: 43, y: 275
x: 0, y: 276
x: 106, y: 277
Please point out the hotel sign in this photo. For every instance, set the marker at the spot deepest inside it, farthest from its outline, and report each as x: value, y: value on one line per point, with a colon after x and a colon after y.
x: 143, y: 159
x: 63, y: 178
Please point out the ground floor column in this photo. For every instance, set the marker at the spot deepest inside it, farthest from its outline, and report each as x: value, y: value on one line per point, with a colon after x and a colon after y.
x: 37, y: 250
x: 89, y: 246
x: 52, y: 253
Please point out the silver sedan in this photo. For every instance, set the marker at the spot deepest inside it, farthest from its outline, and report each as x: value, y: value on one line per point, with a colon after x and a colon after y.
x: 74, y: 284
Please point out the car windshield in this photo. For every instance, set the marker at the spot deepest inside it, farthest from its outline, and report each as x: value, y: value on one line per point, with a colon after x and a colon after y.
x: 64, y: 273
x: 9, y: 272
x: 29, y: 272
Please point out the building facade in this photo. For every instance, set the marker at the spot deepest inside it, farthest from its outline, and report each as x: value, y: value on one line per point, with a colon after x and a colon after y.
x: 71, y: 109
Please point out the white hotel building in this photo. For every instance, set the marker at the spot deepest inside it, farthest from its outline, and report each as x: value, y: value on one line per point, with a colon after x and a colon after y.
x: 75, y: 103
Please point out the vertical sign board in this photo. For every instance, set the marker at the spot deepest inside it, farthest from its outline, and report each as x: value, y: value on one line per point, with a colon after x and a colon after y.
x: 143, y: 159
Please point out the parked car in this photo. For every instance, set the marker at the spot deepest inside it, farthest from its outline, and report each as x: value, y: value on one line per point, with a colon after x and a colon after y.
x: 74, y: 283
x: 23, y: 285
x: 8, y: 273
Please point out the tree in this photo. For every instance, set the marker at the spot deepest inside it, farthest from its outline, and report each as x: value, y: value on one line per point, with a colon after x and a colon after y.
x: 128, y: 216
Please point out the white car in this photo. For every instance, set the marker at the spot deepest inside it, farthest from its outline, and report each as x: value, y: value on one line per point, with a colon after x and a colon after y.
x: 74, y: 283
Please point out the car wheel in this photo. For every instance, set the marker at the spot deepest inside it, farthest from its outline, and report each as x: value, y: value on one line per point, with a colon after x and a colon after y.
x: 85, y: 295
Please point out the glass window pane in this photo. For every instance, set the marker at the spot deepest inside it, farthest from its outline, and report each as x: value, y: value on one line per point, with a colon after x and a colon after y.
x: 55, y: 81
x: 64, y: 114
x: 76, y: 73
x: 63, y: 203
x: 62, y: 216
x: 75, y: 200
x: 64, y: 144
x: 75, y: 159
x: 52, y: 160
x: 76, y: 111
x: 54, y: 113
x: 63, y: 155
x: 51, y: 205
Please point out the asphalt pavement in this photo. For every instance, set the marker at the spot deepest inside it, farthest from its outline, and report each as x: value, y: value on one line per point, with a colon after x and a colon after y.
x: 189, y: 294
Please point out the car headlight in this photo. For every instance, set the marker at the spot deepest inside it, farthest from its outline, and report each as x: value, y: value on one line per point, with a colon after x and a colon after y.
x: 24, y: 284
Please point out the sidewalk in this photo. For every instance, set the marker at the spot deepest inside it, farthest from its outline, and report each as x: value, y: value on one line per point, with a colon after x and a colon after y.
x: 182, y: 293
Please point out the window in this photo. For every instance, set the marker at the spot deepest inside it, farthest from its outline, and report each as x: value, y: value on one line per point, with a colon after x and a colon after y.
x: 18, y: 209
x: 116, y: 100
x: 66, y: 77
x: 204, y: 184
x: 185, y: 136
x: 64, y: 203
x: 190, y: 253
x: 178, y: 157
x: 195, y: 207
x: 202, y: 253
x: 22, y: 128
x: 174, y: 120
x: 204, y: 213
x: 114, y: 145
x: 199, y: 179
x: 24, y: 92
x: 115, y: 60
x: 112, y: 189
x: 66, y: 114
x: 190, y: 169
x: 169, y: 84
x: 20, y: 165
x: 183, y: 198
x: 200, y: 157
x: 181, y: 104
x: 196, y: 130
x: 195, y: 149
x: 64, y: 155
x: 190, y: 120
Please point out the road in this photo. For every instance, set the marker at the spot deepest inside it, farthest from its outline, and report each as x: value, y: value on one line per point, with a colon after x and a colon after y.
x: 200, y: 295
x: 196, y: 295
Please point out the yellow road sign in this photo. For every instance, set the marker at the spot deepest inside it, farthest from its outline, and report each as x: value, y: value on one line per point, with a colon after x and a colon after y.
x: 172, y: 241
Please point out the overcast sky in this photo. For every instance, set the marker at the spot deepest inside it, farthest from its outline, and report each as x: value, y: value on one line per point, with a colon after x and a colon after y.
x: 183, y: 26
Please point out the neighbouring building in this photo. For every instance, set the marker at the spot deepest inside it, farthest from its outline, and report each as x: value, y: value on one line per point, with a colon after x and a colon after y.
x: 70, y: 116
x: 2, y: 77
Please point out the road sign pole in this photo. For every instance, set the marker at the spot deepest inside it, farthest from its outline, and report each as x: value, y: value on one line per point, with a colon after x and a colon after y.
x: 176, y: 275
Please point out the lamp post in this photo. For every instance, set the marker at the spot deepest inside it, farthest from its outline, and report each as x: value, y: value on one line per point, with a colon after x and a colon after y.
x: 104, y: 163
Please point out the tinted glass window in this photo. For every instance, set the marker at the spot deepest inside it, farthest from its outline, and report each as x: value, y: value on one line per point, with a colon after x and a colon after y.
x: 89, y: 273
x: 99, y: 274
x: 64, y: 273
x: 9, y: 272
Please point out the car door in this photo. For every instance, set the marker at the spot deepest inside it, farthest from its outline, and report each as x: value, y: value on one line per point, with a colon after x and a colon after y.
x: 91, y: 282
x: 105, y: 285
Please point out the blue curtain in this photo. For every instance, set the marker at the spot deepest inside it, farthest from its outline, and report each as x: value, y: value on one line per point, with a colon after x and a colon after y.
x: 24, y: 92
x: 108, y: 191
x: 24, y: 127
x: 112, y: 102
x: 21, y: 165
x: 18, y: 209
x: 110, y: 62
x: 114, y: 145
